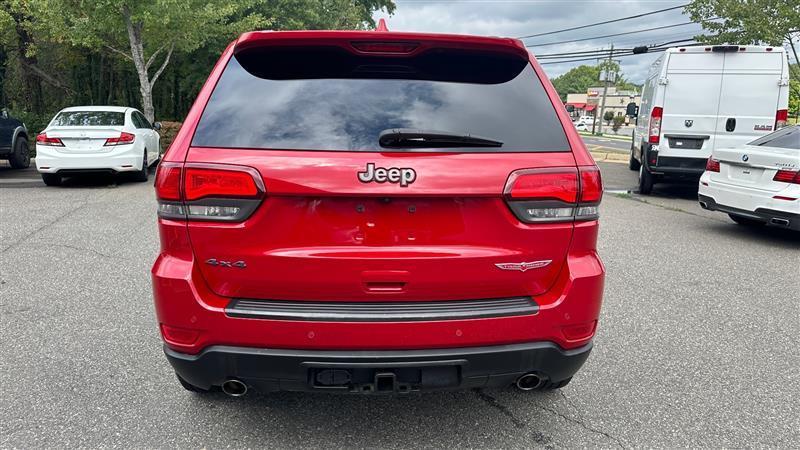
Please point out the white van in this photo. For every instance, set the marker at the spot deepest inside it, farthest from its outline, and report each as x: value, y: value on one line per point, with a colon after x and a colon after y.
x: 700, y: 98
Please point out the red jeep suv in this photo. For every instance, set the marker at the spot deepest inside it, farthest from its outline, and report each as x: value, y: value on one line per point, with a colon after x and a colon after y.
x: 372, y: 211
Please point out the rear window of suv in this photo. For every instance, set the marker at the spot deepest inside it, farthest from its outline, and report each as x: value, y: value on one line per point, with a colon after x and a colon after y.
x: 329, y: 99
x: 89, y: 118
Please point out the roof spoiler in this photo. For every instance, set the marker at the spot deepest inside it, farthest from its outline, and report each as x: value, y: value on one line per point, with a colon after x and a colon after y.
x: 380, y: 42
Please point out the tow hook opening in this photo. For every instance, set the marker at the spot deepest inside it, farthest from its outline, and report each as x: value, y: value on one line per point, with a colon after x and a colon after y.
x: 385, y: 382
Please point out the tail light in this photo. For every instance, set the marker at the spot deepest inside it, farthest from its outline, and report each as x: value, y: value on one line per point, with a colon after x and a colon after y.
x: 712, y: 165
x: 385, y: 47
x: 124, y: 138
x: 562, y: 194
x: 787, y: 176
x: 781, y: 117
x: 655, y: 125
x: 209, y: 192
x: 42, y: 139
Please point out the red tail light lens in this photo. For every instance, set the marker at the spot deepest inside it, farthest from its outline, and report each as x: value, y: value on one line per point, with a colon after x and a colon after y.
x: 655, y: 125
x: 168, y: 182
x: 591, y: 184
x: 781, y: 118
x: 560, y: 194
x: 385, y: 47
x: 208, y: 192
x: 555, y: 184
x: 201, y: 182
x: 580, y: 331
x: 42, y: 139
x: 787, y: 176
x: 712, y: 165
x: 123, y: 139
x: 179, y: 336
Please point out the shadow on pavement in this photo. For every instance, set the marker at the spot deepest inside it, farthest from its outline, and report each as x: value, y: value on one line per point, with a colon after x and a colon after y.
x: 760, y: 234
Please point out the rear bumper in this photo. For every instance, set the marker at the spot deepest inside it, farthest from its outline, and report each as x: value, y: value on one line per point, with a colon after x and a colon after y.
x: 117, y: 160
x: 357, y: 371
x: 773, y: 217
x: 679, y: 167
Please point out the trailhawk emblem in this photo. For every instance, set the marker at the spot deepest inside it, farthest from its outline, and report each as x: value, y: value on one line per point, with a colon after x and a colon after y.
x: 404, y: 176
x: 524, y: 266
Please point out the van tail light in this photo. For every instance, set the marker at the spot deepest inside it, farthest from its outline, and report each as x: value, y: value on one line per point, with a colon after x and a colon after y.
x: 655, y: 125
x: 42, y: 139
x: 712, y: 165
x: 781, y: 117
x: 123, y: 139
x: 787, y: 176
x: 208, y: 192
x: 562, y: 194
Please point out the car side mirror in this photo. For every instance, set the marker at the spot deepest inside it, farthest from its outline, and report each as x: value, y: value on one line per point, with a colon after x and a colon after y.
x: 157, y: 126
x: 3, y: 114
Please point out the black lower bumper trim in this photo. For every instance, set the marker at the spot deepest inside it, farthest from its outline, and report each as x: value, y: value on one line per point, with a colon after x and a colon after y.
x: 370, y: 371
x: 677, y: 167
x: 780, y: 219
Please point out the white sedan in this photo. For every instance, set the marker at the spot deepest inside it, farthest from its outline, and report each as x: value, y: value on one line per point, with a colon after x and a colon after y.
x: 757, y: 184
x: 86, y: 139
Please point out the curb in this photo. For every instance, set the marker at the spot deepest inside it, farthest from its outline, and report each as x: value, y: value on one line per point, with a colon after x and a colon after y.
x: 607, y: 136
x: 611, y: 157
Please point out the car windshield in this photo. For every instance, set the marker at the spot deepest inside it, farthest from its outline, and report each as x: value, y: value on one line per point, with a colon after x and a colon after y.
x: 787, y: 137
x: 329, y: 99
x: 89, y: 118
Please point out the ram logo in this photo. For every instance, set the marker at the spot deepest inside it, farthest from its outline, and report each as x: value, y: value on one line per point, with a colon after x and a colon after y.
x: 524, y: 266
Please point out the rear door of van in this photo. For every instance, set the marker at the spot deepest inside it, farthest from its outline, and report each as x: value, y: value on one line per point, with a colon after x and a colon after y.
x: 691, y: 104
x: 749, y: 95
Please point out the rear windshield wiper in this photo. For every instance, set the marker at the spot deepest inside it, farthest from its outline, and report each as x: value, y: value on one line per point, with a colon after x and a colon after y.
x: 409, y: 138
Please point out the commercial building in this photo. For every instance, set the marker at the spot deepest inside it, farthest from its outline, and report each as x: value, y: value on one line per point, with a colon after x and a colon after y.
x: 588, y: 104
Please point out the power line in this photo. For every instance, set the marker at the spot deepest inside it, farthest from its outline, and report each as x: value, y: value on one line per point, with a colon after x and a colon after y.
x: 604, y: 22
x: 597, y: 50
x: 612, y: 35
x: 659, y: 50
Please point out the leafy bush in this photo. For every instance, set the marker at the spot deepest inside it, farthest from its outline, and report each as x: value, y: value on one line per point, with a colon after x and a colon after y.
x: 618, y: 122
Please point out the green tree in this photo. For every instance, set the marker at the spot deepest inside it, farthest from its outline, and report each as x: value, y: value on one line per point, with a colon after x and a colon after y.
x: 608, y: 116
x: 581, y: 78
x: 146, y: 33
x: 617, y: 123
x: 576, y: 80
x: 770, y: 22
x: 794, y: 98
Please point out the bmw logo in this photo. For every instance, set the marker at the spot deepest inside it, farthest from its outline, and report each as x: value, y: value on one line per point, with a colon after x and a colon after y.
x: 745, y: 158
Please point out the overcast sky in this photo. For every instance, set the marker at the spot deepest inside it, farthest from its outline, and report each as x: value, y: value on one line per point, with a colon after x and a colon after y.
x: 515, y: 18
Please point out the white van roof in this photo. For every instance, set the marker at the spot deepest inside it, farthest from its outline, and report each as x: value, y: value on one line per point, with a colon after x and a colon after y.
x: 726, y: 48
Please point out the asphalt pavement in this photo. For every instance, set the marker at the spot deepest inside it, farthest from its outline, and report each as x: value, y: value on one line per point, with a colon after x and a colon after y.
x: 696, y: 345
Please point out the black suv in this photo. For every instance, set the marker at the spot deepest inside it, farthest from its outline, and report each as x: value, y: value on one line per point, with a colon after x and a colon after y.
x: 14, y: 141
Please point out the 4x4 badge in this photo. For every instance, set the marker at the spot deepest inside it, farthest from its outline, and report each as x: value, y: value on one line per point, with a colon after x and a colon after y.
x: 219, y: 263
x: 404, y: 175
x: 524, y: 266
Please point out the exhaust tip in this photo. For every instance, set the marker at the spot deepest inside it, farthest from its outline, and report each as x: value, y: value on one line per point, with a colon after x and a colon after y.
x: 779, y: 221
x: 529, y: 382
x: 704, y: 205
x: 234, y: 388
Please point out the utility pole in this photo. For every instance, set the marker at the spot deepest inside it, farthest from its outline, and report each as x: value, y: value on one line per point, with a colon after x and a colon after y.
x: 605, y: 90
